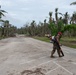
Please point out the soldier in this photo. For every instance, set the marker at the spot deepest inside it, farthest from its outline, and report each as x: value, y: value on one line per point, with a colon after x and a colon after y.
x: 56, y: 45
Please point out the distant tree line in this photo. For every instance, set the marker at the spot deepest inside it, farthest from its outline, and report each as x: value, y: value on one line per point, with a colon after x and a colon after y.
x: 6, y: 29
x: 65, y: 23
x: 35, y: 29
x: 62, y: 22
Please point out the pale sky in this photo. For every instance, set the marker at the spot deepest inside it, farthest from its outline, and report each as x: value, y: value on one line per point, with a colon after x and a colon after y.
x: 22, y: 11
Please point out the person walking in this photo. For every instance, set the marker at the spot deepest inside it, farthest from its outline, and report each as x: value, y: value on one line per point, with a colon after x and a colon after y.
x: 56, y: 45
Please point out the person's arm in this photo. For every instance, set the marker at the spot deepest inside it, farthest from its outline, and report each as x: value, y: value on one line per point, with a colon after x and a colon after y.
x: 57, y: 37
x: 58, y: 40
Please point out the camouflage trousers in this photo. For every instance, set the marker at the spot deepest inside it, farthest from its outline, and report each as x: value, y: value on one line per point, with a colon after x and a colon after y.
x: 58, y: 48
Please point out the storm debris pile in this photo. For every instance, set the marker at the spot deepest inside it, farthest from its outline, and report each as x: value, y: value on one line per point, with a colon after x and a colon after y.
x: 30, y: 72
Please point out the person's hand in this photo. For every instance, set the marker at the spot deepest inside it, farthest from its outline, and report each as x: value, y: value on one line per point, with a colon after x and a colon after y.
x: 60, y: 44
x: 50, y: 38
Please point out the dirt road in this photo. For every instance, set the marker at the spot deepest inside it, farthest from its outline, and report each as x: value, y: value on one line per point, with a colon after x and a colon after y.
x: 28, y: 56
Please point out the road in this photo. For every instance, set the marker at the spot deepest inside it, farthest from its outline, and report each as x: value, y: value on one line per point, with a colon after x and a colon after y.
x: 28, y: 56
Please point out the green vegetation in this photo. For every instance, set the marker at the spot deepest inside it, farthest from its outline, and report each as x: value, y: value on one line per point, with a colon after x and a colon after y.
x: 6, y: 29
x: 2, y: 37
x: 63, y: 22
x: 66, y: 41
x: 42, y: 38
x: 70, y: 42
x: 70, y: 30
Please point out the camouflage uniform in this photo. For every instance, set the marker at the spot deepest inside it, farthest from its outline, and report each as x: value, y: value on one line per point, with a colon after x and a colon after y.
x: 56, y: 46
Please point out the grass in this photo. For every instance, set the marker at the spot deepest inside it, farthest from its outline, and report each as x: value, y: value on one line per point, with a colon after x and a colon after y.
x: 66, y: 41
x: 42, y: 39
x: 2, y: 37
x: 70, y: 42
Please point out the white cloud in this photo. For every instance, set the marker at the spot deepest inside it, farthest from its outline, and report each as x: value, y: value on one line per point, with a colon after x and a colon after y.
x: 20, y: 11
x: 68, y: 7
x: 26, y: 0
x: 12, y: 14
x: 6, y: 3
x: 24, y: 9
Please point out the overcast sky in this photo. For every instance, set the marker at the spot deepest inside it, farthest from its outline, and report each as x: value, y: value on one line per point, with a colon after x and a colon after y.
x: 22, y: 11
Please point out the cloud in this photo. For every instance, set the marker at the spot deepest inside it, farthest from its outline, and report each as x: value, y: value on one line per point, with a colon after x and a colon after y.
x: 25, y: 9
x: 27, y: 1
x: 6, y: 3
x: 68, y: 7
x: 14, y: 21
x: 21, y: 11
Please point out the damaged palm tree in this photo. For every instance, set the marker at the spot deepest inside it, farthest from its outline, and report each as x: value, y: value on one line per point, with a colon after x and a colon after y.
x: 56, y: 15
x: 50, y: 19
x: 73, y: 3
x: 73, y: 18
x: 2, y: 14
